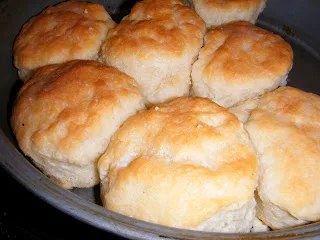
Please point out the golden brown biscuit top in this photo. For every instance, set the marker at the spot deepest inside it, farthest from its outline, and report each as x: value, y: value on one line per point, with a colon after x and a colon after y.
x: 285, y: 131
x: 62, y: 105
x: 243, y: 53
x: 292, y: 106
x: 229, y: 4
x: 170, y: 146
x: 67, y: 31
x: 88, y: 10
x: 156, y: 28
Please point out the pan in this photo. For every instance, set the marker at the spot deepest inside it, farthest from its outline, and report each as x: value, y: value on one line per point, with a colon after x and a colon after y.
x: 295, y: 20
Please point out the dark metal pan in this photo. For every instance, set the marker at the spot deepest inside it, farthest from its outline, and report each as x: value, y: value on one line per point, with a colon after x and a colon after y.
x: 296, y: 20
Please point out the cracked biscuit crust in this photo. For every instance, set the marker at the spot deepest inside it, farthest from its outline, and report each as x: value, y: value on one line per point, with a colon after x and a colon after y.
x: 180, y: 164
x: 284, y: 128
x: 67, y: 31
x: 65, y: 114
x: 240, y: 61
x: 156, y: 45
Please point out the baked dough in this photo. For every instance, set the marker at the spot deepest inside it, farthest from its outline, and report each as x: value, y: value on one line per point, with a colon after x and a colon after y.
x: 156, y: 44
x: 218, y: 12
x: 67, y: 31
x: 187, y: 164
x: 65, y: 115
x: 285, y: 131
x: 240, y: 61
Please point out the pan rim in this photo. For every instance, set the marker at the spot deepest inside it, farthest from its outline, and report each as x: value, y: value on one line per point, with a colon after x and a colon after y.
x: 101, y: 218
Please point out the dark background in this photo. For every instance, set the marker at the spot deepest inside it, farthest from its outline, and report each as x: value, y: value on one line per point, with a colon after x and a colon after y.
x: 24, y: 216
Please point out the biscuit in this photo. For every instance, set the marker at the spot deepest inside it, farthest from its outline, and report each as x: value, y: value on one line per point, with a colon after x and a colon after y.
x: 65, y: 115
x: 243, y: 109
x: 186, y: 164
x: 156, y: 45
x: 218, y: 12
x: 240, y: 61
x: 285, y: 131
x: 68, y: 31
